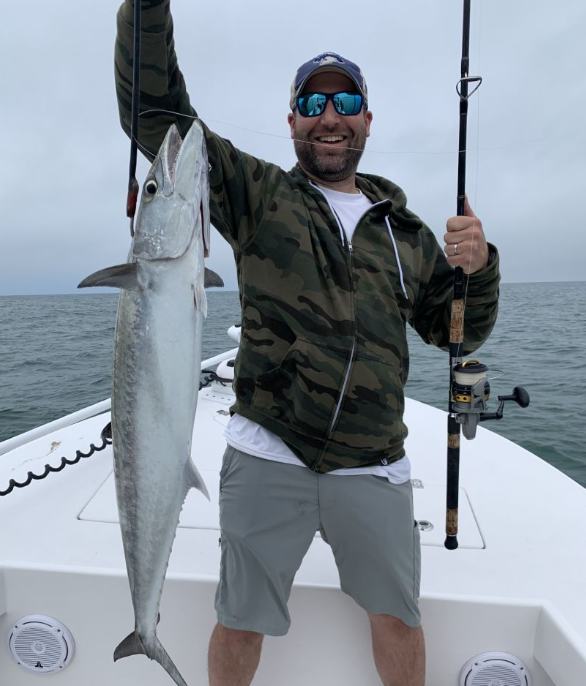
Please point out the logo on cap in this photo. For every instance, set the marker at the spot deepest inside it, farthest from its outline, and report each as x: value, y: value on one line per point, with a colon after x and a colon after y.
x: 328, y: 58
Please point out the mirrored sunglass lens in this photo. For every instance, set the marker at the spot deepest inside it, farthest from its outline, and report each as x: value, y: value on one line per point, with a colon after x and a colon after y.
x: 312, y: 105
x: 348, y: 103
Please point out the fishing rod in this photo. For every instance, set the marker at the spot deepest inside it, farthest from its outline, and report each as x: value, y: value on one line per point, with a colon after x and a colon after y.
x: 469, y: 387
x: 132, y: 197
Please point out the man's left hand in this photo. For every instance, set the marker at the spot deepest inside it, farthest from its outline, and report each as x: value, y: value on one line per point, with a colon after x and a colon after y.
x: 466, y: 245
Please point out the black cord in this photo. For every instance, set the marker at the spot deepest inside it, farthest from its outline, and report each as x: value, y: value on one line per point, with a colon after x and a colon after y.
x: 12, y: 484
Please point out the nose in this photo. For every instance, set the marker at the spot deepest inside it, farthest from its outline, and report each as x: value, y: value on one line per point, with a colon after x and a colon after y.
x: 330, y: 116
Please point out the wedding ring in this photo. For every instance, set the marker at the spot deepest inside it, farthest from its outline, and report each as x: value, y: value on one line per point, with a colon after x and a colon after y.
x: 455, y: 248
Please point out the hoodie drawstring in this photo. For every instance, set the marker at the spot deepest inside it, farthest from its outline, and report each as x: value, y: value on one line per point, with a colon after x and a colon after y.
x: 344, y: 238
x: 397, y: 257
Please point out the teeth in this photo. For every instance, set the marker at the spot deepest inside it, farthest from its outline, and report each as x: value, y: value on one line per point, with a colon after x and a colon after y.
x: 330, y: 139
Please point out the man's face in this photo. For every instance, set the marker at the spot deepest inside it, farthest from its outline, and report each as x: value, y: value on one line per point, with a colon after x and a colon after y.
x: 330, y: 145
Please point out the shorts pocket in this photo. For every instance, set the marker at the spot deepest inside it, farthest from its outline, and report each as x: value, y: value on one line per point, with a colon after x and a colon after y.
x: 226, y: 462
x: 416, y: 560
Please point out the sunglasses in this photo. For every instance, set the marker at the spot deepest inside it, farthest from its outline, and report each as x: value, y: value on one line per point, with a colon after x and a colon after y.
x: 314, y: 104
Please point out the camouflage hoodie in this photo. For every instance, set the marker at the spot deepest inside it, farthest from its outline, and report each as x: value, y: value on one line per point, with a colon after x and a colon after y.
x: 323, y: 358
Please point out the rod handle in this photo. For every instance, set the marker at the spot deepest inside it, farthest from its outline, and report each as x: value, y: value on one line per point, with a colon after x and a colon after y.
x: 451, y: 542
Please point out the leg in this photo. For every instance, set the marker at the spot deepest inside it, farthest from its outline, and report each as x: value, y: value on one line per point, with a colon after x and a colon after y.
x: 399, y: 651
x: 268, y: 518
x: 233, y: 656
x: 370, y: 526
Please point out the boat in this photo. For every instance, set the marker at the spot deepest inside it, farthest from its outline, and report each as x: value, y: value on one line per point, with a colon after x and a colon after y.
x: 508, y: 607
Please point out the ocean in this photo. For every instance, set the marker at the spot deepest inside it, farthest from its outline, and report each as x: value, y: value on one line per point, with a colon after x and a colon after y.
x: 56, y: 350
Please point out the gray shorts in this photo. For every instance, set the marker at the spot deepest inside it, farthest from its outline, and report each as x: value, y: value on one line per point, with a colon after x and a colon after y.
x: 269, y: 513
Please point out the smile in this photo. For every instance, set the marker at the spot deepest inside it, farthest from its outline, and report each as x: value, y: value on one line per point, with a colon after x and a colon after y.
x: 330, y: 139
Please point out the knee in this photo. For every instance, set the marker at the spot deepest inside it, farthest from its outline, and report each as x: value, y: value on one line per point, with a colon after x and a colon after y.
x: 238, y: 639
x: 387, y: 624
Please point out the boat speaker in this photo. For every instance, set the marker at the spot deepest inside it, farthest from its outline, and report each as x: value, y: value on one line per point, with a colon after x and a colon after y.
x: 41, y: 644
x: 494, y: 669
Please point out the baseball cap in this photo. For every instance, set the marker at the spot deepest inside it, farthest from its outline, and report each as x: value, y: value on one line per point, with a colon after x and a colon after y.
x: 328, y: 61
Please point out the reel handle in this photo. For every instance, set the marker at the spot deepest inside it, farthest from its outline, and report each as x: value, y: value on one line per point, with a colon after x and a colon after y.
x: 519, y: 395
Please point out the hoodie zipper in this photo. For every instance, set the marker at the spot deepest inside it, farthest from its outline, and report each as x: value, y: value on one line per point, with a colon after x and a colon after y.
x: 353, y: 350
x: 334, y: 419
x: 345, y: 240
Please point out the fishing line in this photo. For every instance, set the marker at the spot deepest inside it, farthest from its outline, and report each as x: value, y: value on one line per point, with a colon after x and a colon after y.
x: 366, y: 150
x: 146, y: 151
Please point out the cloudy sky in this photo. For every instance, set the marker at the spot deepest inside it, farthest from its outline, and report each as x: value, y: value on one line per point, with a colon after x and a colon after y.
x: 65, y: 168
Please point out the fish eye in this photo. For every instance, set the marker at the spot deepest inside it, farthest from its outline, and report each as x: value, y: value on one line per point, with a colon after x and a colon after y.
x: 151, y: 187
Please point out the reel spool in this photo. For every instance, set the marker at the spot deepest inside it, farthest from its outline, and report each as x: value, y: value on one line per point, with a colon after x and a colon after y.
x: 470, y: 393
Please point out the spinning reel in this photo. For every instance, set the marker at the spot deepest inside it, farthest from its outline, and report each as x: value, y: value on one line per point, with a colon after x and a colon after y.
x: 470, y: 392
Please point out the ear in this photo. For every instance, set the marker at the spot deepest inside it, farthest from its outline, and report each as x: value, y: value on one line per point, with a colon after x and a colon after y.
x: 368, y: 120
x: 291, y: 120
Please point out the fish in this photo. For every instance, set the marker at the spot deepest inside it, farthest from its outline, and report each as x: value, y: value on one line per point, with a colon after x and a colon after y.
x: 156, y: 371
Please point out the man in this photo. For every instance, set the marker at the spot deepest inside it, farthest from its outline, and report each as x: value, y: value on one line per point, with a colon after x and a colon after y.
x: 331, y: 266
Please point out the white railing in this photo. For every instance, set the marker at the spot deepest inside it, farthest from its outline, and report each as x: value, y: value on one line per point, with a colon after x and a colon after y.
x: 87, y: 413
x: 211, y: 361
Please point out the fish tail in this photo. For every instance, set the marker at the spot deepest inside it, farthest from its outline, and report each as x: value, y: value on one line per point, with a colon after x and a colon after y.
x: 134, y: 645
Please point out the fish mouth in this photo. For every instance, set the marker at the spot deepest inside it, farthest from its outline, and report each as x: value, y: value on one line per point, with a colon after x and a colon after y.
x: 170, y: 155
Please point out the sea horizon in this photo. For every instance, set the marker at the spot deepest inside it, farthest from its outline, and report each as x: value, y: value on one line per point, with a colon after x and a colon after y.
x: 56, y: 357
x: 113, y: 291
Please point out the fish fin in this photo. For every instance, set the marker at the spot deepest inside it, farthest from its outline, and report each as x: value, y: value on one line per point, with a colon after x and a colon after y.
x: 120, y: 276
x: 200, y: 300
x: 211, y: 279
x: 132, y: 645
x: 162, y: 657
x: 194, y: 479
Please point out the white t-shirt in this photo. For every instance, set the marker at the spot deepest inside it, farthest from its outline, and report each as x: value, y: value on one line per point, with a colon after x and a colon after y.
x: 249, y: 437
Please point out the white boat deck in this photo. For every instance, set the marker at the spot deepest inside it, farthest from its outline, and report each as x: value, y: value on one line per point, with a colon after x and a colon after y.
x: 517, y: 583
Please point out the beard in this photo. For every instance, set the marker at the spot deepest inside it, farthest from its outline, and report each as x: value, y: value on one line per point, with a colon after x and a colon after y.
x: 336, y: 164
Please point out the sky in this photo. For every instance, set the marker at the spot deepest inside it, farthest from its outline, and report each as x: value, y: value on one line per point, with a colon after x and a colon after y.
x: 65, y: 170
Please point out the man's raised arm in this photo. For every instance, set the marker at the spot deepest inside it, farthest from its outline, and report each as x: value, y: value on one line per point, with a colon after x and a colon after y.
x: 161, y: 82
x: 240, y: 185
